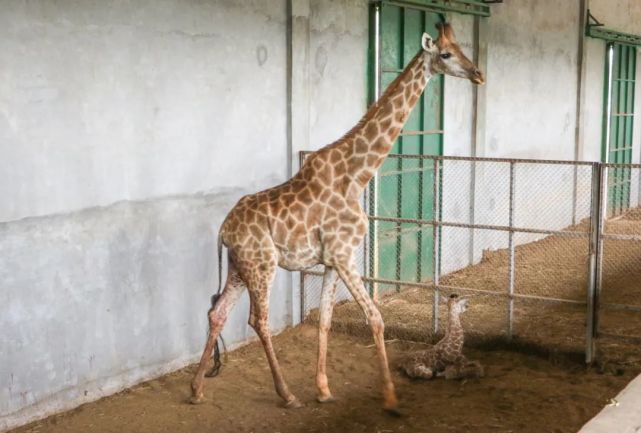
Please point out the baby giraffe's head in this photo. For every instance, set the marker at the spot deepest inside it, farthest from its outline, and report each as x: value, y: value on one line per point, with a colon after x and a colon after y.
x: 444, y: 56
x: 456, y: 305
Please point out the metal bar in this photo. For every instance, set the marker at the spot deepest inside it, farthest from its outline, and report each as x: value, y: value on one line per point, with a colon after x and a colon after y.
x: 595, y: 245
x: 452, y: 289
x: 461, y: 6
x: 635, y: 308
x: 397, y: 172
x: 562, y: 233
x: 426, y: 132
x: 399, y: 162
x: 622, y: 165
x: 611, y: 236
x: 485, y: 159
x: 511, y: 270
x: 575, y: 185
x: 376, y: 184
x: 421, y: 176
x: 602, y: 203
x: 303, y: 297
x: 599, y: 32
x: 435, y: 249
x: 630, y: 338
x: 631, y: 166
x: 472, y: 212
x: 619, y: 237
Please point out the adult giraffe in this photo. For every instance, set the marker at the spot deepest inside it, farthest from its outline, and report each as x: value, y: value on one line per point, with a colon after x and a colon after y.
x: 316, y: 218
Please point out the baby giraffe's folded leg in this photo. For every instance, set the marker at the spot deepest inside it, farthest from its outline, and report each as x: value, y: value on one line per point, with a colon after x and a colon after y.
x: 470, y: 369
x: 419, y: 371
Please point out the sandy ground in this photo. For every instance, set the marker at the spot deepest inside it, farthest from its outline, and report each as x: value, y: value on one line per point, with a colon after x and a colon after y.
x: 519, y: 394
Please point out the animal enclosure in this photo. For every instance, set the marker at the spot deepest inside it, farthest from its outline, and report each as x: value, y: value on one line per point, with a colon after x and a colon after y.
x: 549, y: 252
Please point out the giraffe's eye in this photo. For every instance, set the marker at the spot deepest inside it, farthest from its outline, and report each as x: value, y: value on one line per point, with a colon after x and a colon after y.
x: 446, y: 55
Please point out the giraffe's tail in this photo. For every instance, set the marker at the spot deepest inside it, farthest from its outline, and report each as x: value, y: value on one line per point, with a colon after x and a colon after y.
x: 220, y: 263
x: 214, y: 299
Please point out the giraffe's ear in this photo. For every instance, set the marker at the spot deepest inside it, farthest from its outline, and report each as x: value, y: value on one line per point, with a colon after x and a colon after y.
x: 427, y: 42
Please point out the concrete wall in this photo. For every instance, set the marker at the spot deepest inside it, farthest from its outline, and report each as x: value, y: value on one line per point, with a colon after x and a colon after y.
x: 162, y: 114
x: 101, y: 103
x: 128, y: 131
x: 102, y: 298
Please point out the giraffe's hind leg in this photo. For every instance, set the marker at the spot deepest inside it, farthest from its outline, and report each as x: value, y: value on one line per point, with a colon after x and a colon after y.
x: 217, y: 317
x: 258, y: 287
x: 328, y: 295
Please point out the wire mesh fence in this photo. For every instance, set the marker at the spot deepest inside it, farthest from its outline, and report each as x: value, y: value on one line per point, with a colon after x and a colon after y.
x: 545, y: 252
x: 619, y: 288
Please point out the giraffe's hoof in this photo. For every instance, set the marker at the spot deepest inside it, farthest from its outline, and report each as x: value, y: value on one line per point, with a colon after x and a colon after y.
x: 326, y: 398
x: 293, y: 404
x: 197, y: 399
x: 393, y: 411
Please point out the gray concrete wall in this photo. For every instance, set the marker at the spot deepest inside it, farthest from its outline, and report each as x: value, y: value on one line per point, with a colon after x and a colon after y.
x: 338, y: 68
x: 100, y: 299
x: 100, y: 103
x: 127, y: 132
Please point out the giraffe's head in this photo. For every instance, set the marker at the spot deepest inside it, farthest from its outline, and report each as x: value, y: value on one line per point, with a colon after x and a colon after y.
x: 444, y: 56
x: 456, y: 305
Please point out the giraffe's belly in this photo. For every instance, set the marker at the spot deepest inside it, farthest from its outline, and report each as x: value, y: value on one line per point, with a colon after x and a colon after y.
x: 297, y: 260
x: 296, y: 253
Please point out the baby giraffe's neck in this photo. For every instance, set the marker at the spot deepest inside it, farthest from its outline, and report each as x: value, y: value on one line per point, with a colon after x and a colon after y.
x: 454, y: 331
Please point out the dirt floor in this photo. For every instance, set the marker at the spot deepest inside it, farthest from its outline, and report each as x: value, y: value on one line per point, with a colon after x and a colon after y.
x: 554, y: 267
x: 518, y: 394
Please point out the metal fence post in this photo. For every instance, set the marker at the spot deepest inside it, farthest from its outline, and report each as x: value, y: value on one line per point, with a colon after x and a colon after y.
x: 511, y: 269
x: 435, y: 245
x: 303, y: 297
x: 594, y: 277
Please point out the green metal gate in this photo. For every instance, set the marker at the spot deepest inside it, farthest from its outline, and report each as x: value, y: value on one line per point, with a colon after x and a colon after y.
x: 404, y: 186
x: 619, y: 120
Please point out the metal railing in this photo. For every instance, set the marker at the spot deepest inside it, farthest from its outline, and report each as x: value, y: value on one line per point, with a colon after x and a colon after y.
x: 513, y: 207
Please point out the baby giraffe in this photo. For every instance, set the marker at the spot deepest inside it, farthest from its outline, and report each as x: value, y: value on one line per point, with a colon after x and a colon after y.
x: 445, y: 358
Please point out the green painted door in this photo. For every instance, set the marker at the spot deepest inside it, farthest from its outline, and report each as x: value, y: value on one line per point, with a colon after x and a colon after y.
x: 405, y: 186
x: 620, y: 86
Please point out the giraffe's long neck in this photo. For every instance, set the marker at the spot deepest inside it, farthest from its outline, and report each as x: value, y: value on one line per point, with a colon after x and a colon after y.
x: 370, y: 141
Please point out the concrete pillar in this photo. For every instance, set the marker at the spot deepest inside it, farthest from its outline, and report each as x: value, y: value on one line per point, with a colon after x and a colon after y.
x: 298, y: 109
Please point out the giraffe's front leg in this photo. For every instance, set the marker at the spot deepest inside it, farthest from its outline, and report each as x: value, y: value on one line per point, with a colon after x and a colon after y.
x: 348, y: 272
x: 328, y: 295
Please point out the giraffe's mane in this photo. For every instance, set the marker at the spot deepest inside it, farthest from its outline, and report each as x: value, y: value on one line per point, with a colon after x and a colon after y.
x: 376, y: 106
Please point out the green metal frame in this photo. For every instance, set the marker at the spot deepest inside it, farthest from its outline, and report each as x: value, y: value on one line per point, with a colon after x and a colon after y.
x: 617, y: 146
x: 596, y: 29
x: 598, y: 32
x: 400, y: 31
x: 466, y: 7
